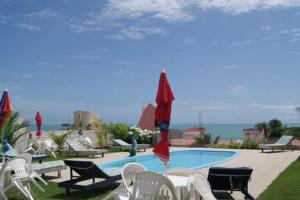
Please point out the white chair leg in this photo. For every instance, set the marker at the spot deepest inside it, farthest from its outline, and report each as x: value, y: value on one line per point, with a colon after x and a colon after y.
x: 29, y: 194
x: 41, y: 179
x: 3, y: 195
x: 53, y: 154
x: 36, y: 184
x: 18, y: 185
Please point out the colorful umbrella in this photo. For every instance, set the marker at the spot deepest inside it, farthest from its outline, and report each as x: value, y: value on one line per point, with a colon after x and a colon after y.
x: 38, y: 120
x: 5, y: 111
x: 163, y: 109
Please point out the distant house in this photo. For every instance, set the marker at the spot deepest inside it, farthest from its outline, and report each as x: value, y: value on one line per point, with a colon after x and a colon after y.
x: 147, y: 120
x: 191, y: 133
x: 254, y: 134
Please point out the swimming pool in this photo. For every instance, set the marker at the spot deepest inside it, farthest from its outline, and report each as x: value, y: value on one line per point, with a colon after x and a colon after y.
x: 192, y: 159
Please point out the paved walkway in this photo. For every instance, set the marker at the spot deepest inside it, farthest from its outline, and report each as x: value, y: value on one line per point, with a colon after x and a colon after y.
x: 267, y: 166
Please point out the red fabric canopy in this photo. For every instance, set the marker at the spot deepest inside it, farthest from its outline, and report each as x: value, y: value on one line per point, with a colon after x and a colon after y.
x: 5, y: 108
x: 163, y: 109
x: 38, y: 120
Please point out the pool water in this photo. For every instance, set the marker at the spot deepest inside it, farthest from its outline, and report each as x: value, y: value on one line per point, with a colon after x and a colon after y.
x: 191, y: 159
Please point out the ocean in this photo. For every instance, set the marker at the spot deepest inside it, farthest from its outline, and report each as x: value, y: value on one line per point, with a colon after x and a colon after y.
x: 226, y: 131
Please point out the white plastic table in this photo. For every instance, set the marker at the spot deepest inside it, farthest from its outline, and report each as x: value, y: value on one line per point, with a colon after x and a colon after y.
x: 180, y: 183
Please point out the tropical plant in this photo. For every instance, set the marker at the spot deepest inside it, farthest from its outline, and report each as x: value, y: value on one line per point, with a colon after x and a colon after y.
x: 59, y: 140
x: 118, y: 131
x: 216, y: 141
x: 273, y: 128
x: 276, y: 128
x: 203, y: 139
x: 263, y: 126
x: 16, y: 127
x: 100, y: 132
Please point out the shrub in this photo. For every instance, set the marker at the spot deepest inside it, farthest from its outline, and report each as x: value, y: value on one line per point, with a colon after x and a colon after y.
x: 250, y: 144
x: 233, y: 145
x: 294, y: 131
x: 118, y: 131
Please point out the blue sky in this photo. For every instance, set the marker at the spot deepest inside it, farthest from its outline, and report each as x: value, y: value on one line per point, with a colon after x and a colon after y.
x: 234, y: 61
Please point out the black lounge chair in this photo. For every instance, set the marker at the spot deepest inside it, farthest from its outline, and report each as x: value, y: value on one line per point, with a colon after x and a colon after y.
x: 230, y: 179
x: 88, y: 170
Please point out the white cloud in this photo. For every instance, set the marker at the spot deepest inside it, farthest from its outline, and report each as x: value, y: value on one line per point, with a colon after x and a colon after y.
x: 208, y: 106
x: 138, y: 32
x: 273, y: 107
x: 242, y: 43
x: 168, y: 10
x: 190, y: 41
x: 294, y: 40
x: 29, y: 27
x: 43, y: 14
x: 24, y: 75
x: 119, y: 73
x: 49, y: 65
x: 239, y: 89
x: 180, y: 10
x: 230, y: 67
x: 266, y: 28
x: 284, y: 32
x: 80, y: 28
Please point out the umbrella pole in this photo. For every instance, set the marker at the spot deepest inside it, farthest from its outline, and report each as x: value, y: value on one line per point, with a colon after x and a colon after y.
x: 2, y: 146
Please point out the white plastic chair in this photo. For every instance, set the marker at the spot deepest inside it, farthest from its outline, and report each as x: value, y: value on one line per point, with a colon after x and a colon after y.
x: 32, y: 175
x: 48, y: 146
x: 86, y: 141
x: 18, y: 167
x: 180, y: 172
x: 124, y: 190
x: 152, y: 186
x: 198, y: 185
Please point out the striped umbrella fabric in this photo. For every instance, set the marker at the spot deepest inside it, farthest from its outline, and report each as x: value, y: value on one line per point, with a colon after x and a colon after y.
x: 38, y: 120
x: 5, y: 111
x: 164, y: 99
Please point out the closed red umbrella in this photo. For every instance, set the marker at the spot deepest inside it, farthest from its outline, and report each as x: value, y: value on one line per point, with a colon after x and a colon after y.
x: 5, y: 108
x: 163, y: 109
x: 38, y: 120
x: 5, y: 111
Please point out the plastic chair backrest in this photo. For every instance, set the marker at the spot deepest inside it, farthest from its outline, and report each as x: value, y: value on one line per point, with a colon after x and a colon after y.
x: 129, y: 172
x: 199, y: 183
x: 152, y: 186
x: 18, y: 165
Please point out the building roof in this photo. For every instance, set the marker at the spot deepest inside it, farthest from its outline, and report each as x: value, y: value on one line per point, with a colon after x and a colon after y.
x: 147, y: 120
x: 194, y: 129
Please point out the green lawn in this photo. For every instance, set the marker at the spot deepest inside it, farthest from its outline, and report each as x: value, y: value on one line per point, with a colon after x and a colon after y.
x: 285, y: 186
x: 55, y: 193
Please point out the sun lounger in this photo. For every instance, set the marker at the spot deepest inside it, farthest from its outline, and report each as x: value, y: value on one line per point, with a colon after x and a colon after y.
x: 88, y: 173
x: 282, y: 143
x: 230, y: 179
x: 121, y: 144
x: 76, y: 147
